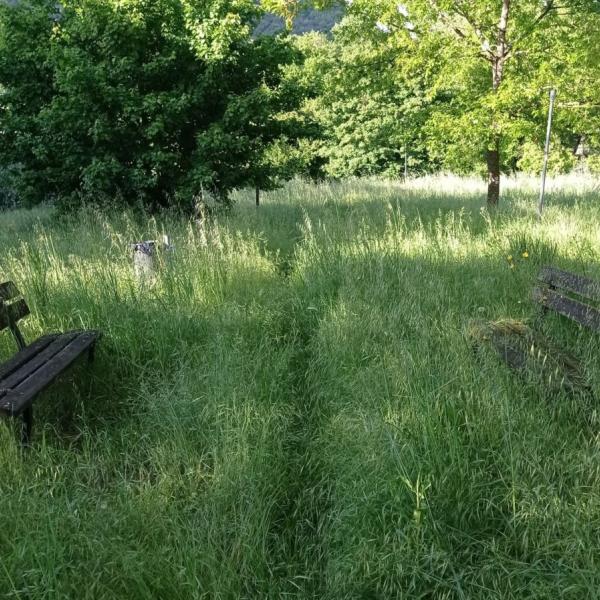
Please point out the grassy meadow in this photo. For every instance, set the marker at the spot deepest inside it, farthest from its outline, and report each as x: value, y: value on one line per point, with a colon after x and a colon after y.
x: 292, y: 408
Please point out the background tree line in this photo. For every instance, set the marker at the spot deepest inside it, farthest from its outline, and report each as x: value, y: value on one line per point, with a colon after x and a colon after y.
x: 157, y: 102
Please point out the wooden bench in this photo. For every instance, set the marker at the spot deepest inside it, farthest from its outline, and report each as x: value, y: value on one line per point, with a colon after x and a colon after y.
x: 526, y: 349
x: 37, y: 365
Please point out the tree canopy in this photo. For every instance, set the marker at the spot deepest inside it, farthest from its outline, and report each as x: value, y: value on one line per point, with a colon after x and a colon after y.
x: 150, y: 101
x: 464, y: 80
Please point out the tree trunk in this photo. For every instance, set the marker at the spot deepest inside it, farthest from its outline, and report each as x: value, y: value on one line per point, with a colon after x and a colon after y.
x: 493, y: 153
x: 493, y: 165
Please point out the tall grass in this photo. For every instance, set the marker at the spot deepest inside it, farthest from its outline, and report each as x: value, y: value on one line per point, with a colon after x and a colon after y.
x: 292, y: 409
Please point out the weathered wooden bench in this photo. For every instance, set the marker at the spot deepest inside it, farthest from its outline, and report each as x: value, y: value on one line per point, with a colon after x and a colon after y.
x: 526, y: 349
x: 37, y: 365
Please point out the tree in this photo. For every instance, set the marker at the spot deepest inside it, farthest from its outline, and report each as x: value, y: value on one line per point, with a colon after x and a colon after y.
x: 148, y: 101
x: 524, y: 28
x: 368, y: 110
x: 482, y: 59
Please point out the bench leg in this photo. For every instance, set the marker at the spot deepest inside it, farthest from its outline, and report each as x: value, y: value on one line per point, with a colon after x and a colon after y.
x: 92, y: 353
x: 27, y: 426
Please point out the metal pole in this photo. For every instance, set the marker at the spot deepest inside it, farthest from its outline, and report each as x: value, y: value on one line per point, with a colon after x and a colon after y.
x: 405, y: 162
x: 546, y: 152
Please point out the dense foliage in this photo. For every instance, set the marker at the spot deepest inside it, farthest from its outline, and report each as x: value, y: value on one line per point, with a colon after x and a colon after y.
x: 458, y: 82
x: 154, y: 102
x: 149, y: 101
x: 371, y: 114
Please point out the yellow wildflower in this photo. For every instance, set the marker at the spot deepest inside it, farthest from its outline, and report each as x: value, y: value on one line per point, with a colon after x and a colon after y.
x: 525, y: 254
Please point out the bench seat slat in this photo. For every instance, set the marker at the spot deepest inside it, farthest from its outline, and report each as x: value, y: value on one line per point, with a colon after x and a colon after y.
x: 19, y: 397
x: 39, y: 360
x: 24, y: 356
x: 577, y: 311
x: 530, y: 353
x: 570, y: 282
x: 513, y: 356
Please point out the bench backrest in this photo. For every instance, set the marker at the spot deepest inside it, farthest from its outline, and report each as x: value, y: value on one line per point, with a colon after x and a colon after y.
x: 568, y: 294
x: 12, y: 309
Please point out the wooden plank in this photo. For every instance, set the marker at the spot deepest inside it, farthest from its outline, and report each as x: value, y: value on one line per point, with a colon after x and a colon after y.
x: 514, y: 357
x: 8, y: 291
x: 11, y: 313
x: 36, y: 362
x: 570, y: 282
x: 583, y: 314
x: 532, y: 355
x: 19, y: 359
x: 8, y: 407
x: 17, y: 400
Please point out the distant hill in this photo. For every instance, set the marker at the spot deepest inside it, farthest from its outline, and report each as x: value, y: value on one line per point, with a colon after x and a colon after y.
x: 307, y: 20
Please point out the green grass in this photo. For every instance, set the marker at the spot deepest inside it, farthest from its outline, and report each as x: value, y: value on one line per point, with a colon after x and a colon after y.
x: 293, y: 409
